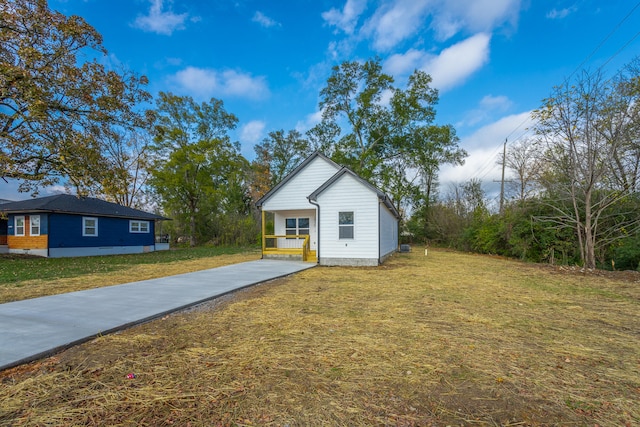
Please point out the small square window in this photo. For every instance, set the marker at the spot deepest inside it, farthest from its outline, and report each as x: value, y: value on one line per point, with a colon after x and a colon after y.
x: 34, y: 221
x: 89, y: 227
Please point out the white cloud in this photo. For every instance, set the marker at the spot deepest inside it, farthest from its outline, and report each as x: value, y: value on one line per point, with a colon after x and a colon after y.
x: 309, y: 121
x: 484, y: 146
x: 202, y: 83
x: 405, y: 63
x: 448, y: 69
x: 398, y: 20
x: 453, y: 16
x: 252, y: 132
x: 347, y: 18
x: 495, y: 102
x: 456, y: 63
x: 488, y: 106
x: 561, y: 13
x: 160, y: 22
x: 264, y: 20
x: 395, y: 21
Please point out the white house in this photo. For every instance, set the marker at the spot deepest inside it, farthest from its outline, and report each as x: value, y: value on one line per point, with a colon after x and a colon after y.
x: 324, y: 212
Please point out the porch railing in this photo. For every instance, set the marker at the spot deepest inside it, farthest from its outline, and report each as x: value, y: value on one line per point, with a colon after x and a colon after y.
x: 289, y: 244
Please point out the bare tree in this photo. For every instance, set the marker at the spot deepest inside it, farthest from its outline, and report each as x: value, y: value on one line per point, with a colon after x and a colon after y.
x: 522, y: 158
x: 583, y: 127
x: 127, y: 153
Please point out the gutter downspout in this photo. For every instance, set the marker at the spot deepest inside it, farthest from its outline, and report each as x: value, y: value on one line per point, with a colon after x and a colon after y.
x: 379, y: 233
x: 317, y: 229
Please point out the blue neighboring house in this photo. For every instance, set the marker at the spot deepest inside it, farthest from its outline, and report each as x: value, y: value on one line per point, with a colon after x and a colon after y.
x: 64, y: 225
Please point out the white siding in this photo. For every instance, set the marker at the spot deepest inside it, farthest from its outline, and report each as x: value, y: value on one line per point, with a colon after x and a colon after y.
x: 293, y: 195
x: 388, y: 231
x: 349, y: 195
x: 281, y: 216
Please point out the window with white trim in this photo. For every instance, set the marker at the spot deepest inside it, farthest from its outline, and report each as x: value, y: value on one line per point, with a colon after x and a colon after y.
x: 18, y: 223
x: 345, y: 225
x: 34, y: 225
x: 297, y: 226
x: 89, y: 226
x: 138, y: 226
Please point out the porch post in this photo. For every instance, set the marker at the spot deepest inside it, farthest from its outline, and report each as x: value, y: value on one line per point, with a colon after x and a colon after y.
x: 264, y: 230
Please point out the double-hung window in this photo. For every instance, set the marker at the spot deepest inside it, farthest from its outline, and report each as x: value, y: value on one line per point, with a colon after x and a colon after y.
x: 34, y: 222
x: 138, y: 226
x: 297, y: 226
x: 18, y: 223
x: 89, y: 226
x: 345, y: 225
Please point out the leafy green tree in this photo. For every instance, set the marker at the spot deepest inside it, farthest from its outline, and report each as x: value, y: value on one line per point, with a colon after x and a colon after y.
x: 194, y: 161
x: 386, y: 129
x: 54, y: 104
x: 280, y: 153
x: 354, y: 93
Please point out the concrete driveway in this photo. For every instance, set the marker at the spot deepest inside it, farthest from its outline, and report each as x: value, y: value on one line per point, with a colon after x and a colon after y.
x: 38, y: 327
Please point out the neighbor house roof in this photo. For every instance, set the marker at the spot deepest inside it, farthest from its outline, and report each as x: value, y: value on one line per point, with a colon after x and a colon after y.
x: 346, y: 171
x: 66, y: 203
x: 293, y: 173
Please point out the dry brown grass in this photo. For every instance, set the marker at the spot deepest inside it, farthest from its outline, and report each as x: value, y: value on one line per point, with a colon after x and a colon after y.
x: 450, y: 339
x: 26, y: 289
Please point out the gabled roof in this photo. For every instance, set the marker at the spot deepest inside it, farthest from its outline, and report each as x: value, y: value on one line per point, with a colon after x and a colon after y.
x: 346, y: 171
x: 66, y: 203
x: 293, y: 173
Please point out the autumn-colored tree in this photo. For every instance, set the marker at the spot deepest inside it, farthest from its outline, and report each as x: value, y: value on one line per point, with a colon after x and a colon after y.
x: 54, y: 103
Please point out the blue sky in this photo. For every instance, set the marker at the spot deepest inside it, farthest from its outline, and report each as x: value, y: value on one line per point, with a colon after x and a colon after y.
x: 493, y: 61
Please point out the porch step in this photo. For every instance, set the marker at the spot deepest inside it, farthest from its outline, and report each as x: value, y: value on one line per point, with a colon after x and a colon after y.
x: 312, y: 257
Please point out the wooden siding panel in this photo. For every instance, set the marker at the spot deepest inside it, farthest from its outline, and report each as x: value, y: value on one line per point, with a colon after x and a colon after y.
x: 28, y: 242
x: 293, y: 195
x: 348, y: 194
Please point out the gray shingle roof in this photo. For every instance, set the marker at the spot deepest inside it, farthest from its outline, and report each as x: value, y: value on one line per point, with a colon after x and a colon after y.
x: 66, y: 203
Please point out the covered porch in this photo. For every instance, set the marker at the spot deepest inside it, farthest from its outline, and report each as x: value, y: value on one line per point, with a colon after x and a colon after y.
x: 290, y: 234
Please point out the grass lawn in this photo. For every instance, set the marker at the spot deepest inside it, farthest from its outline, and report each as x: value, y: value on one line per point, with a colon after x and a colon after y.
x: 448, y: 339
x: 23, y: 277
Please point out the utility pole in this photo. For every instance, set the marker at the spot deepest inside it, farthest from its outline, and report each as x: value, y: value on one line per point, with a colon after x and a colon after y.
x: 502, y: 181
x: 504, y: 165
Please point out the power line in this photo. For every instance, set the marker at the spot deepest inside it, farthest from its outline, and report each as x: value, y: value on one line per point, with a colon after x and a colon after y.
x: 607, y: 37
x: 633, y: 9
x: 621, y: 49
x: 490, y: 164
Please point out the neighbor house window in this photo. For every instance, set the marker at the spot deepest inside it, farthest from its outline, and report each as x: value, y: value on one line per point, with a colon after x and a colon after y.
x: 138, y: 226
x: 297, y: 226
x: 345, y: 225
x: 89, y: 226
x: 18, y: 222
x: 34, y: 222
